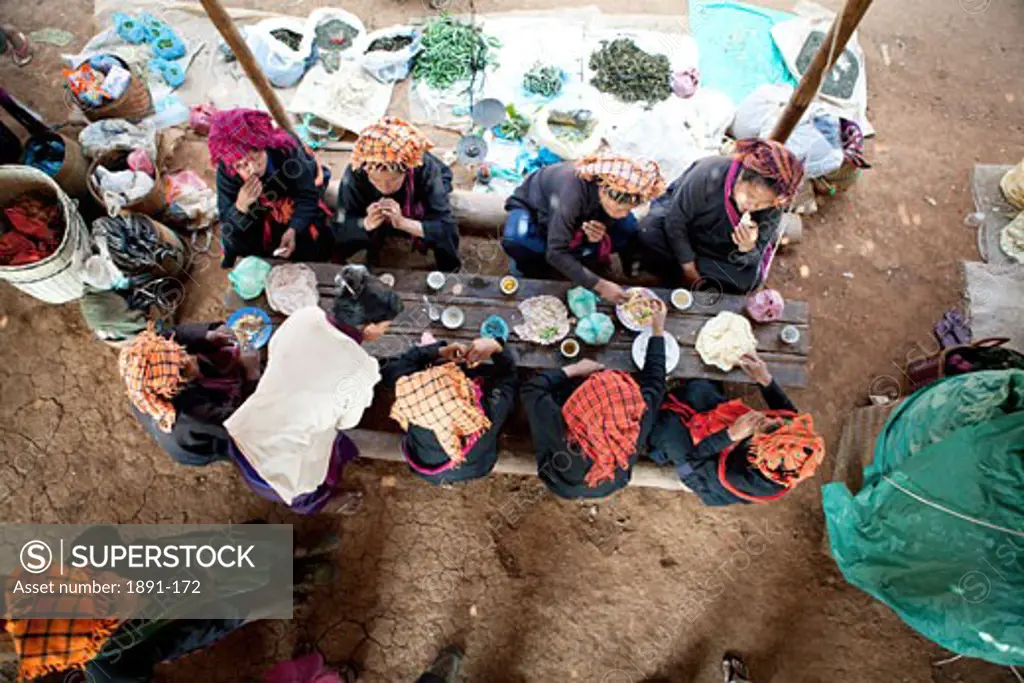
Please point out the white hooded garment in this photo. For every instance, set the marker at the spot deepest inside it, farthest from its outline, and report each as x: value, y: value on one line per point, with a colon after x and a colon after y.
x: 318, y: 380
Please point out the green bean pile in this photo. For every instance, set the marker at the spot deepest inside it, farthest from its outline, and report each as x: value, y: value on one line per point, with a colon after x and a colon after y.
x: 515, y: 126
x: 452, y: 51
x: 629, y: 73
x: 545, y: 81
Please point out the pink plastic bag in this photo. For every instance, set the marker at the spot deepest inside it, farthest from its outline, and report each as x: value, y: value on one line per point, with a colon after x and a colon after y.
x: 200, y: 117
x: 189, y: 198
x: 766, y: 305
x: 139, y: 160
x: 307, y: 669
x: 685, y: 82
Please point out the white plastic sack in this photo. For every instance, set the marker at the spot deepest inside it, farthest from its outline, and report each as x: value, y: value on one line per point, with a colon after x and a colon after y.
x: 283, y: 66
x: 324, y: 14
x: 390, y: 67
x: 756, y: 117
x: 542, y: 134
x: 103, y: 136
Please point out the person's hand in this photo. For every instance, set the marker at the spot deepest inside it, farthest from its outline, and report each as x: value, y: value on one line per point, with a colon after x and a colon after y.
x: 745, y: 236
x: 660, y: 311
x: 250, y: 359
x: 583, y: 368
x: 250, y: 192
x: 374, y: 217
x: 594, y: 230
x: 287, y: 246
x: 690, y: 273
x: 755, y: 368
x: 454, y: 353
x: 221, y: 336
x: 609, y: 291
x: 393, y: 213
x: 481, y: 350
x: 745, y: 426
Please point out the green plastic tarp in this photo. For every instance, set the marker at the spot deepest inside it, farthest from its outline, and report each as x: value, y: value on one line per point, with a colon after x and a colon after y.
x: 937, y: 531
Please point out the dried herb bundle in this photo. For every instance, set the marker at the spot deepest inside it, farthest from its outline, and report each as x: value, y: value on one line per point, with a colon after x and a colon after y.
x: 390, y: 44
x: 629, y: 73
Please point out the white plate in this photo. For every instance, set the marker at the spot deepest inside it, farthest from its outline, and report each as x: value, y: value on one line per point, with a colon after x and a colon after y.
x: 627, y: 320
x: 671, y: 351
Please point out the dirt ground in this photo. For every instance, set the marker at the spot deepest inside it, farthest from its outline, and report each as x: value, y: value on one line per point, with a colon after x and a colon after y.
x: 648, y: 585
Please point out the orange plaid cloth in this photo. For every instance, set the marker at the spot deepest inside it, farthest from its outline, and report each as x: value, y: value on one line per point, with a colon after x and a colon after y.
x: 788, y: 452
x: 390, y: 142
x: 48, y: 646
x: 603, y: 418
x: 440, y: 399
x: 623, y: 175
x: 151, y: 369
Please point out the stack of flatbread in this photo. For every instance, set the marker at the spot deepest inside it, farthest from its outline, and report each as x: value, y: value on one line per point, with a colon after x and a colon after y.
x: 724, y: 340
x: 545, y: 320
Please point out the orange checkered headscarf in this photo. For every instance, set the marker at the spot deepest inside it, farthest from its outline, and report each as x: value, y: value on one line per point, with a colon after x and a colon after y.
x: 392, y: 143
x: 441, y: 399
x: 774, y: 161
x: 602, y: 417
x: 49, y: 646
x: 151, y: 369
x: 622, y: 175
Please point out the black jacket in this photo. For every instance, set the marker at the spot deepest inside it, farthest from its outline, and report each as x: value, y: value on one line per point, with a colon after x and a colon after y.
x: 695, y: 222
x: 560, y: 203
x: 422, y: 447
x: 559, y: 468
x: 697, y: 466
x: 290, y: 173
x: 432, y: 183
x: 198, y: 436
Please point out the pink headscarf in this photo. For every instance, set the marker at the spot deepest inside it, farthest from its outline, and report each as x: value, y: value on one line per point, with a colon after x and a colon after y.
x: 235, y: 132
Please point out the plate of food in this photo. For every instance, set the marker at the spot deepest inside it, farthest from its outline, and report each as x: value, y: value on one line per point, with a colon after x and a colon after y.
x: 671, y: 351
x: 545, y: 320
x: 724, y: 339
x: 637, y: 313
x: 251, y: 326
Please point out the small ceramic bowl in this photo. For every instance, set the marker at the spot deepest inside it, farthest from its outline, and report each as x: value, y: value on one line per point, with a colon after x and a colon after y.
x: 509, y: 285
x: 570, y: 348
x: 682, y: 299
x: 789, y: 335
x: 453, y: 317
x: 435, y: 280
x: 387, y: 279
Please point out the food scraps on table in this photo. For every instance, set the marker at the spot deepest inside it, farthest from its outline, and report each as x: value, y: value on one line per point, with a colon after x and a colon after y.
x: 545, y: 320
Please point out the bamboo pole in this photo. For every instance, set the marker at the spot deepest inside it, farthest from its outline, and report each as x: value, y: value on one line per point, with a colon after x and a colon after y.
x: 222, y: 20
x: 824, y: 60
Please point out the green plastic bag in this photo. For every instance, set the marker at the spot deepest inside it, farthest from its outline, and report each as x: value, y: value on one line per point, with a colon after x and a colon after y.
x: 582, y: 301
x: 937, y: 531
x: 249, y: 277
x: 595, y: 329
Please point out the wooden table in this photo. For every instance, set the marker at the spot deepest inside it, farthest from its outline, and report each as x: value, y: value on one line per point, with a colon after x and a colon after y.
x: 480, y: 297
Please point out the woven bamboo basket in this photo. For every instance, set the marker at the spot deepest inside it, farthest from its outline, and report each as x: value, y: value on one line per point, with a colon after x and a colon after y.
x: 117, y: 160
x: 134, y: 104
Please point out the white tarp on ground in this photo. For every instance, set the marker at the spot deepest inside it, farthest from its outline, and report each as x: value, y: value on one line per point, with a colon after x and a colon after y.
x: 995, y: 301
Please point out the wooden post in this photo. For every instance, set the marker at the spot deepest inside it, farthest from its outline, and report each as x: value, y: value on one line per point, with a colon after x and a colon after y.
x: 824, y: 60
x: 222, y: 20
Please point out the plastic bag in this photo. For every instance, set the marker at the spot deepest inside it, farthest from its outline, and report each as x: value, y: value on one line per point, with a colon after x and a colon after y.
x: 282, y: 65
x: 200, y: 117
x: 139, y: 160
x: 331, y: 53
x: 190, y: 199
x: 595, y: 329
x: 103, y: 136
x: 249, y: 277
x: 568, y: 149
x: 390, y: 67
x: 582, y: 301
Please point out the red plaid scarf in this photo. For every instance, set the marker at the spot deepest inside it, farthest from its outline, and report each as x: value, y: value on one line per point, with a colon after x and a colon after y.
x: 602, y: 418
x: 772, y: 160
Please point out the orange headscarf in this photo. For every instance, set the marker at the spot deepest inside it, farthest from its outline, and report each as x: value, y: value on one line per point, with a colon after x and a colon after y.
x: 390, y: 142
x: 151, y: 368
x: 624, y: 175
x: 602, y: 417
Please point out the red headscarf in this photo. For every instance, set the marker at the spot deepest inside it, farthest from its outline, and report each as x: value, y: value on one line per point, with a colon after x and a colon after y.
x: 774, y: 161
x: 235, y: 132
x: 603, y: 417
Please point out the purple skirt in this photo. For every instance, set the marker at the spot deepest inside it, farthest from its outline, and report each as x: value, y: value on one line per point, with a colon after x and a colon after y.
x: 343, y: 451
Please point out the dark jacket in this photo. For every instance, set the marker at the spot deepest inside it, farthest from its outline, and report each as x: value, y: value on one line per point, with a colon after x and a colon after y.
x: 697, y: 466
x: 560, y: 203
x: 559, y: 468
x: 432, y: 183
x: 198, y: 436
x: 695, y: 221
x: 290, y: 173
x: 421, y: 446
